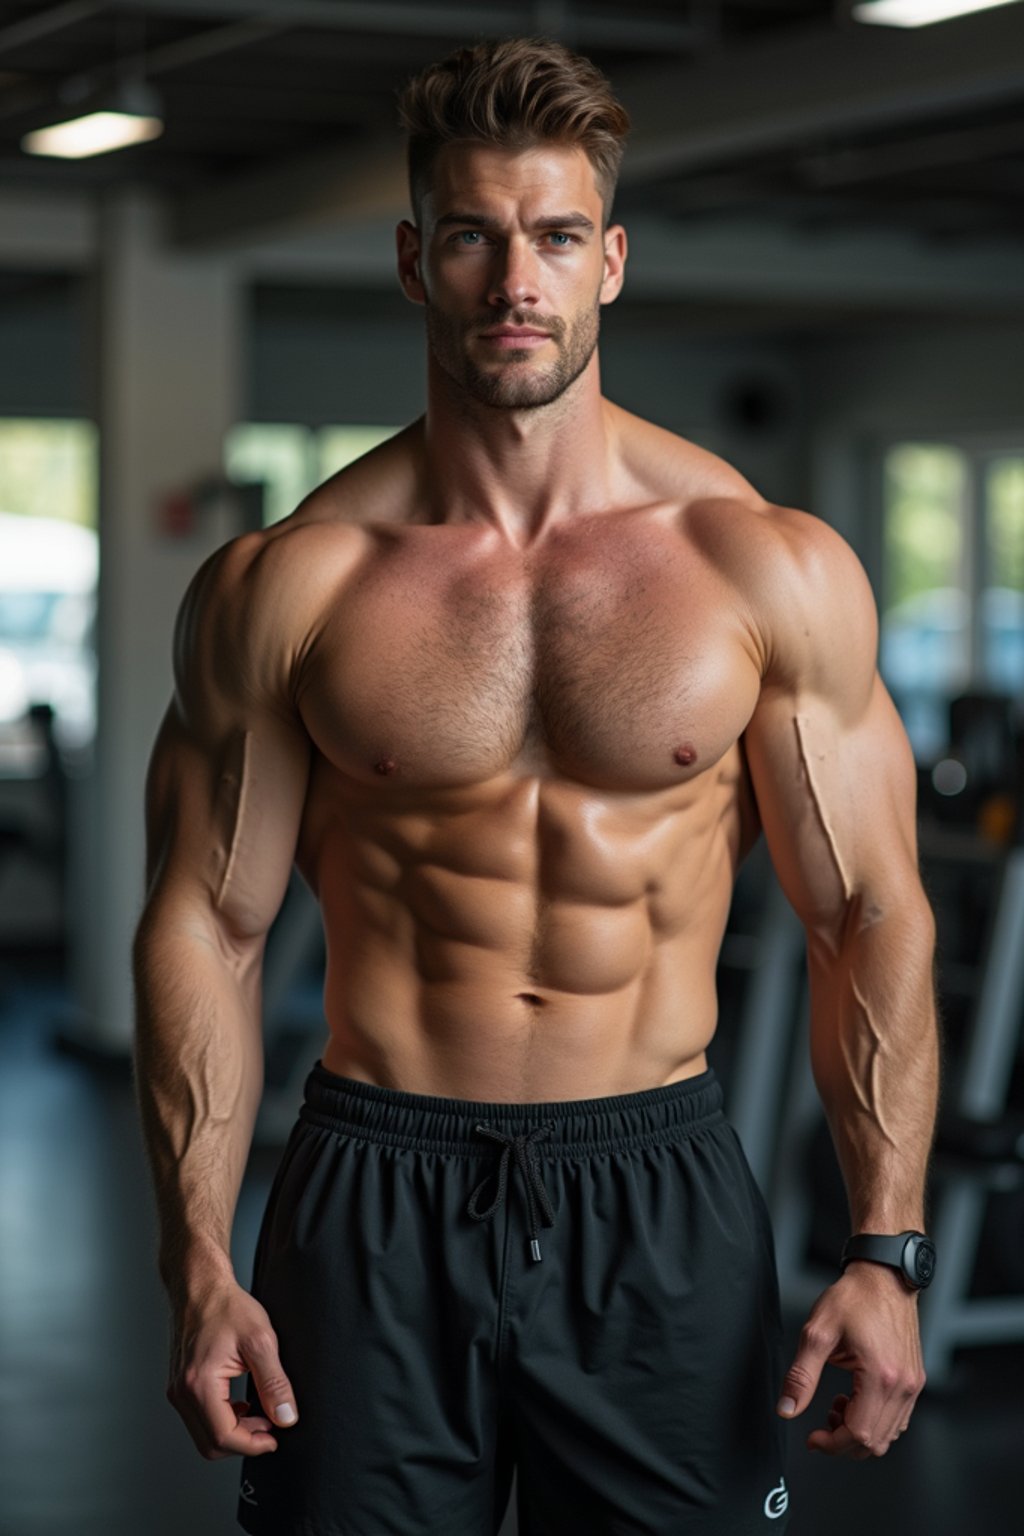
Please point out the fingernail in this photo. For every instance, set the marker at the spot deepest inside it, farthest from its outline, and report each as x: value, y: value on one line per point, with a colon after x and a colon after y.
x: 787, y: 1405
x: 285, y: 1413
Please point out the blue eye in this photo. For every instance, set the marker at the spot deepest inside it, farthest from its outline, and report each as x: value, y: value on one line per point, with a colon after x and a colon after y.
x: 560, y: 235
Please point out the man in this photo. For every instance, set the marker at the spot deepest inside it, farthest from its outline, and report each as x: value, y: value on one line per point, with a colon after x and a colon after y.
x: 518, y: 691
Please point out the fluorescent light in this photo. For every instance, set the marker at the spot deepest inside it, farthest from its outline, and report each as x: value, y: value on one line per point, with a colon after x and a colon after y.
x: 94, y: 134
x: 128, y: 113
x: 918, y: 13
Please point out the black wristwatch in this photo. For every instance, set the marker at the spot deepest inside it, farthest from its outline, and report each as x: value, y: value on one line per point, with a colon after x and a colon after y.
x: 912, y: 1253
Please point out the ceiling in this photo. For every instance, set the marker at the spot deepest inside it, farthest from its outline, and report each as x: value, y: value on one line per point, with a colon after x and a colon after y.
x: 279, y: 115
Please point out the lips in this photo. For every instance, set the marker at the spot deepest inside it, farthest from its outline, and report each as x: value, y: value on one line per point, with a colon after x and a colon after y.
x: 510, y: 331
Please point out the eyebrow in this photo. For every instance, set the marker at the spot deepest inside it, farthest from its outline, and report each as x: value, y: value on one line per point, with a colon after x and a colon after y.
x: 572, y: 220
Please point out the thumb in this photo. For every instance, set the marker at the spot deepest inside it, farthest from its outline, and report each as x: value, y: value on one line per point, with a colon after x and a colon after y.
x: 801, y: 1380
x: 270, y: 1381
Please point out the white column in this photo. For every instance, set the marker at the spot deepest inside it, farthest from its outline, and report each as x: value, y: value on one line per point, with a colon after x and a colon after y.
x: 167, y: 331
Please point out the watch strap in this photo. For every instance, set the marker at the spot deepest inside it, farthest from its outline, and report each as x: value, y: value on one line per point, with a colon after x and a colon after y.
x: 915, y: 1261
x: 878, y: 1247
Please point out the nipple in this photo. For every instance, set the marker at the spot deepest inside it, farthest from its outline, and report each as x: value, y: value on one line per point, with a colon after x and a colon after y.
x: 385, y: 765
x: 685, y: 754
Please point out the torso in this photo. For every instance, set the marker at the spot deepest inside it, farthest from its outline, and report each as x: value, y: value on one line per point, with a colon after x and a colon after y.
x: 528, y: 798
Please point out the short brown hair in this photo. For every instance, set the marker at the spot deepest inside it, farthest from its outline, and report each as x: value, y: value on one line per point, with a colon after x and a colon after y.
x: 514, y: 92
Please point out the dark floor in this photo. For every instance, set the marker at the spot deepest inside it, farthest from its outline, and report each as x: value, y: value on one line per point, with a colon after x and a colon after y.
x: 89, y: 1446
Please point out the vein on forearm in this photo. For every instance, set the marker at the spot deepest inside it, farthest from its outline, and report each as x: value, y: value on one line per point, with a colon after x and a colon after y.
x: 198, y: 1063
x: 875, y: 1057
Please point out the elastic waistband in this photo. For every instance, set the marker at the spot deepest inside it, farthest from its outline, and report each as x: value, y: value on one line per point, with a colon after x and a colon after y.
x: 576, y: 1126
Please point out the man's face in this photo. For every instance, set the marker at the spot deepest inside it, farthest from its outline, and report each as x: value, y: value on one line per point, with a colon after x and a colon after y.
x: 513, y: 238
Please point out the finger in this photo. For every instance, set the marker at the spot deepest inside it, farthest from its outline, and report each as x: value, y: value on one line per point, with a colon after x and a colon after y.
x: 221, y: 1431
x: 275, y: 1390
x: 249, y: 1419
x: 843, y: 1444
x: 878, y: 1407
x: 801, y: 1380
x: 838, y: 1442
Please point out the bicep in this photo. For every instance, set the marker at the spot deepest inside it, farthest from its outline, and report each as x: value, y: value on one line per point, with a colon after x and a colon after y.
x: 830, y: 762
x: 837, y: 801
x: 228, y: 774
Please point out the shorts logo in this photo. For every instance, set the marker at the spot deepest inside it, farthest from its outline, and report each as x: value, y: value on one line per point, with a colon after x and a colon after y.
x: 777, y: 1501
x: 246, y: 1492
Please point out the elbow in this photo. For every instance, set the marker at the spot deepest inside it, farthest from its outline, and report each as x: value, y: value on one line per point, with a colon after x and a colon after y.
x: 900, y: 915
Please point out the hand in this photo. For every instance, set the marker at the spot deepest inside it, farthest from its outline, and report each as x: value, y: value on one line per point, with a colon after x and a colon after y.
x: 867, y: 1323
x: 220, y: 1334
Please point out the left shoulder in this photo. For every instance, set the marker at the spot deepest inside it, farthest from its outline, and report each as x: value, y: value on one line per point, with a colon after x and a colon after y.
x: 813, y: 602
x: 810, y: 544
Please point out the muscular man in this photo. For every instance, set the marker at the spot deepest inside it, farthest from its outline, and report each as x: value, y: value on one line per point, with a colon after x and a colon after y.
x: 517, y: 691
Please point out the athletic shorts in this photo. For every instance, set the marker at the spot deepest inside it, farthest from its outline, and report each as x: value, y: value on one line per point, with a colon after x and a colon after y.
x: 583, y: 1291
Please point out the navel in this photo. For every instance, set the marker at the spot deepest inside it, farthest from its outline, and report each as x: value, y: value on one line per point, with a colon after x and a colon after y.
x: 685, y: 754
x: 385, y: 765
x: 531, y: 997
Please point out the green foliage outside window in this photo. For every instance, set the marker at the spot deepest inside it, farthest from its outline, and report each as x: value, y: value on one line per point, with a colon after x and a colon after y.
x: 924, y: 524
x: 49, y: 469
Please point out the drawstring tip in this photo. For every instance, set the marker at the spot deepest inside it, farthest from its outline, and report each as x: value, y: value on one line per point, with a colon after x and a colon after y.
x: 534, y: 1248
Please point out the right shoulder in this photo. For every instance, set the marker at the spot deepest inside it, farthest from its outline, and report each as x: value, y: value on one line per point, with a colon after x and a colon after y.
x: 253, y: 607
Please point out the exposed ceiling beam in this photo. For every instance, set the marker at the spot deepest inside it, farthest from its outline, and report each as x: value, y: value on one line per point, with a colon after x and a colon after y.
x: 305, y: 192
x: 791, y: 90
x: 424, y: 18
x: 28, y: 29
x: 935, y: 151
x: 741, y: 102
x: 149, y: 63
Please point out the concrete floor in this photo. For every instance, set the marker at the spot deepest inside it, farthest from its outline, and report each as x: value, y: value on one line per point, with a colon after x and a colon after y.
x: 89, y: 1445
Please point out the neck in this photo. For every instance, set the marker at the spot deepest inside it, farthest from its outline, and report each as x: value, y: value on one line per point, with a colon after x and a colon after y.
x: 517, y: 471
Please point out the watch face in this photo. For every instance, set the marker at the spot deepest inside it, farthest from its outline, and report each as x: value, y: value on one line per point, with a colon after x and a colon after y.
x: 924, y: 1260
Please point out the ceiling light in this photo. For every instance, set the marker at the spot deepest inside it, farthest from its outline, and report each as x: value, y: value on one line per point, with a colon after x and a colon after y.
x: 129, y: 112
x: 918, y: 13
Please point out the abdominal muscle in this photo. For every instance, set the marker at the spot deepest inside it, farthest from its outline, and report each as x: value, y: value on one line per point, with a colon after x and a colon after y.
x: 539, y: 945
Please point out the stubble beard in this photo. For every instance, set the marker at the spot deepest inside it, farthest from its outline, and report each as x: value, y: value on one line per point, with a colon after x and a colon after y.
x: 519, y: 384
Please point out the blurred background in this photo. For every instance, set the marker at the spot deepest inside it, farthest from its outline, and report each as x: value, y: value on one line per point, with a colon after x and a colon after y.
x: 825, y: 207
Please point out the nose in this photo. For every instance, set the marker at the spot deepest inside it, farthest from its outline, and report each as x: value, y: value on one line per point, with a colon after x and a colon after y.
x: 514, y: 277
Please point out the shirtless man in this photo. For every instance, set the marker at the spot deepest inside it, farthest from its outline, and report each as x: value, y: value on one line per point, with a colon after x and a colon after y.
x: 517, y: 692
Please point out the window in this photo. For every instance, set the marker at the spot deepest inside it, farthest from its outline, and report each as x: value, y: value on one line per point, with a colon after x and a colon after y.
x: 49, y: 557
x: 291, y: 460
x: 952, y: 603
x: 280, y: 456
x: 1002, y: 597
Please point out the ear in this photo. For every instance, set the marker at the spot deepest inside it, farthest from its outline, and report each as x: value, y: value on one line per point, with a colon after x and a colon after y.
x: 407, y: 238
x: 615, y: 250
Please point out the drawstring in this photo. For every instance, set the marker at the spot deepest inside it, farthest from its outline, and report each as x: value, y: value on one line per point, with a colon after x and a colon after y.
x: 528, y: 1166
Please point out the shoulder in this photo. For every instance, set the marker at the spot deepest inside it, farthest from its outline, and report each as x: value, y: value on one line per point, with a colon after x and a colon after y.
x: 805, y: 594
x: 819, y: 601
x: 253, y: 607
x: 813, y: 603
x: 279, y: 581
x: 264, y: 577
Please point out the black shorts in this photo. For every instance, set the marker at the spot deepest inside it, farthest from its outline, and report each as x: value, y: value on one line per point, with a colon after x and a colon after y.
x: 584, y: 1291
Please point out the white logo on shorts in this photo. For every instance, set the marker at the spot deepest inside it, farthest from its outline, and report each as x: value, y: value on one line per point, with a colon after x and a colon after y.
x: 246, y: 1492
x: 777, y: 1501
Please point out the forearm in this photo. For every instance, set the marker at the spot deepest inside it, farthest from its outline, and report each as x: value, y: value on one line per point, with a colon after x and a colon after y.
x: 198, y: 1076
x: 875, y: 1057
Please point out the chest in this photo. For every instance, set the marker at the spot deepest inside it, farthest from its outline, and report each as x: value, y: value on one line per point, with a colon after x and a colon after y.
x: 615, y: 659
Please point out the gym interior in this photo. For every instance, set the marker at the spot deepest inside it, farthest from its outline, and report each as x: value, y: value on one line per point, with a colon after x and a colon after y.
x: 825, y: 287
